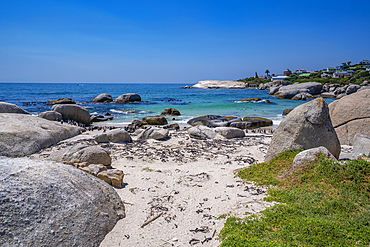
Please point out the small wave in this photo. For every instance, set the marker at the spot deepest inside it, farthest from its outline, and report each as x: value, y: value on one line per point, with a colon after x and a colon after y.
x: 128, y: 111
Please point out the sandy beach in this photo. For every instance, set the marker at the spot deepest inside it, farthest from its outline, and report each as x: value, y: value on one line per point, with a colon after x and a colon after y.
x: 176, y: 189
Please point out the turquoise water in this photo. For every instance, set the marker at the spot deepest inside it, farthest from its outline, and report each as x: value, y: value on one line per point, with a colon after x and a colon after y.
x: 156, y: 97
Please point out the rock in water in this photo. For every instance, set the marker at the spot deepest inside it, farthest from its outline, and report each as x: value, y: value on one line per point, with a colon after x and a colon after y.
x: 83, y: 153
x: 103, y: 98
x: 44, y: 203
x: 22, y: 134
x: 351, y: 115
x: 127, y: 98
x: 73, y: 112
x: 310, y: 155
x: 171, y: 112
x: 11, y: 108
x: 61, y: 101
x: 307, y: 126
x: 51, y: 115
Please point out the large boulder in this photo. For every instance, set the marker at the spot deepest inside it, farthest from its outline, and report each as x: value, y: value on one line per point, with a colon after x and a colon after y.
x: 270, y: 84
x: 44, y: 203
x: 22, y: 134
x: 127, y: 98
x: 288, y: 92
x: 351, y: 115
x: 11, y: 108
x: 103, y: 98
x: 73, y: 112
x: 361, y: 146
x: 310, y: 155
x: 201, y: 132
x: 171, y: 112
x: 51, y: 115
x: 302, y: 96
x: 307, y: 126
x: 229, y: 132
x: 82, y: 153
x: 257, y: 122
x: 117, y: 135
x: 61, y: 101
x: 153, y: 133
x: 352, y: 88
x: 155, y: 120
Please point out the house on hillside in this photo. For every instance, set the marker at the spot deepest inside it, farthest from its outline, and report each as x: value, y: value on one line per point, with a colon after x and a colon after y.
x: 323, y: 75
x: 278, y: 78
x: 300, y: 71
x: 287, y: 72
x: 343, y: 74
x: 363, y: 62
x: 331, y: 69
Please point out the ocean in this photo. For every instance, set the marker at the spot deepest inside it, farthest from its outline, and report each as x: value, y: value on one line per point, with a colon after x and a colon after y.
x: 155, y: 98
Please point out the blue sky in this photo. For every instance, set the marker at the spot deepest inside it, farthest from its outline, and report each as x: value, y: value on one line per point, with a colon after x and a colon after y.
x: 176, y: 41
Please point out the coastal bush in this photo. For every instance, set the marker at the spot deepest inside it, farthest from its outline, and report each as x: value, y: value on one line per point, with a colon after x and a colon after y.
x: 325, y: 203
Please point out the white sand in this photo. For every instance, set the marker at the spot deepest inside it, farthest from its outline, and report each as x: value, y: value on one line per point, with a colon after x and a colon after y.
x: 188, y: 182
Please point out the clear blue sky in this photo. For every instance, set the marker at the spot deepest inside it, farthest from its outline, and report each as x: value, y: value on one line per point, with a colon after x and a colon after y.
x: 176, y: 41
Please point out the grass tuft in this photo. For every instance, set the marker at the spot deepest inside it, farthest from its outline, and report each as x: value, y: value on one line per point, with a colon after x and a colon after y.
x: 323, y: 204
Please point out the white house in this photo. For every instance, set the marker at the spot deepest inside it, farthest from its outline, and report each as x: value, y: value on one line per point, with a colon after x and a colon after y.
x: 343, y: 74
x: 279, y: 78
x: 363, y: 62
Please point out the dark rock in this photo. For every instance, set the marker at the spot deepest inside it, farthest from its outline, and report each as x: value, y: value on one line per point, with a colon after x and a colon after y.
x: 171, y: 112
x: 61, y: 101
x: 257, y: 122
x: 286, y: 111
x: 127, y: 98
x: 103, y: 98
x: 155, y: 120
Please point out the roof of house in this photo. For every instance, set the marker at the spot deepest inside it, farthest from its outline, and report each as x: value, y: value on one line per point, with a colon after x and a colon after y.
x: 305, y: 74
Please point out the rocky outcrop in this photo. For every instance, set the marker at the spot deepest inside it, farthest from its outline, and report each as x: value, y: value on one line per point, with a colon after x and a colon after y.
x: 152, y: 133
x: 288, y: 92
x: 61, y: 101
x: 22, y: 134
x: 44, y: 203
x: 361, y: 146
x: 257, y: 122
x: 201, y: 132
x: 127, y: 98
x: 103, y: 98
x: 229, y: 132
x: 287, y: 111
x: 310, y: 155
x: 112, y: 177
x: 351, y: 115
x: 214, y: 84
x: 82, y: 153
x: 155, y: 120
x: 117, y: 135
x: 307, y: 126
x: 51, y: 115
x: 100, y: 118
x: 73, y: 112
x: 11, y: 108
x: 171, y: 112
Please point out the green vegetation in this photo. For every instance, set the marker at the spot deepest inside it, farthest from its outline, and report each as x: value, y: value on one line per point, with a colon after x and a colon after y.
x: 254, y: 80
x: 323, y: 204
x: 359, y: 75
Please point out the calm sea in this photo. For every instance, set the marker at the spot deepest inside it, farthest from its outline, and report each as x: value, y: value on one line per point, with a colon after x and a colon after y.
x: 156, y: 97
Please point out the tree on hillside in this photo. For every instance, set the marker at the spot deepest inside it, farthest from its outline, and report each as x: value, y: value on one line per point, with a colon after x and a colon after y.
x: 267, y: 72
x: 256, y: 75
x: 349, y: 62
